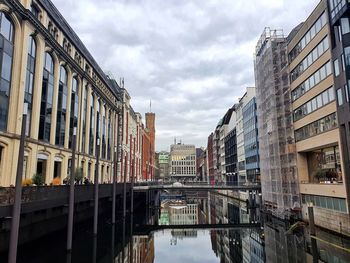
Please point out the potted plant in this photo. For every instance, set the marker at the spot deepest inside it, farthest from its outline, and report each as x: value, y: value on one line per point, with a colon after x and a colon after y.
x: 38, y: 179
x: 319, y: 175
x: 56, y: 181
x: 27, y: 182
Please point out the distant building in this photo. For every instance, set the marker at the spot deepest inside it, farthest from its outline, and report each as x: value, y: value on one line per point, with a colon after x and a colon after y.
x: 163, y: 162
x: 148, y: 148
x: 210, y: 158
x: 250, y: 132
x: 201, y: 162
x: 182, y: 161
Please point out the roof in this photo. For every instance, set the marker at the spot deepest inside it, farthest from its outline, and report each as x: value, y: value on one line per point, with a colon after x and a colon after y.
x: 73, y: 37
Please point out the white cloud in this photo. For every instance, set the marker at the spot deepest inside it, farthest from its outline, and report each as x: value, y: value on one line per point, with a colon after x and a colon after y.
x: 192, y: 58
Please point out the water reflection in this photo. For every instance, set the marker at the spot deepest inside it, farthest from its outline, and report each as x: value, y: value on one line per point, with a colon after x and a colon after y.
x: 190, y: 227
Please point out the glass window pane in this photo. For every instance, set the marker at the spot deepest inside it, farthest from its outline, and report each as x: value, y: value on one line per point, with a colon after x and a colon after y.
x: 6, y: 67
x: 336, y: 67
x: 340, y: 97
x: 336, y: 205
x: 6, y: 27
x: 345, y: 25
x: 331, y: 94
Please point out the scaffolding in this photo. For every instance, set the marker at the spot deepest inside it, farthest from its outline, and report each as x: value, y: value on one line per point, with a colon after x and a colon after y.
x: 277, y: 155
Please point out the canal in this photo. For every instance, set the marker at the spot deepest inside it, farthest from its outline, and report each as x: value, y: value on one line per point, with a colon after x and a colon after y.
x: 189, y: 227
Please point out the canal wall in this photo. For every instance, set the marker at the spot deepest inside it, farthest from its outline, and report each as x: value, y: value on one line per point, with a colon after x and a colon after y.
x: 41, y: 216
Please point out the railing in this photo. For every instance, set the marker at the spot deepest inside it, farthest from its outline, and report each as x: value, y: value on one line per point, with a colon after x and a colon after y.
x: 59, y: 192
x: 199, y: 184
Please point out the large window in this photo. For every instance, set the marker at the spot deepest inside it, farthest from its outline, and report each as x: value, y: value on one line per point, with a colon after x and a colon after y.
x: 333, y: 203
x: 309, y: 59
x: 61, y: 107
x: 317, y: 102
x: 309, y: 35
x: 335, y: 6
x: 84, y: 119
x: 6, y: 52
x: 336, y: 67
x: 73, y: 110
x: 312, y: 81
x: 29, y: 86
x: 92, y: 125
x: 340, y: 97
x: 322, y: 125
x: 104, y: 133
x: 46, y: 99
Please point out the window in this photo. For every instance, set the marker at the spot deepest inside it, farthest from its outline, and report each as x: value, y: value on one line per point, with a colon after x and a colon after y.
x: 314, y: 29
x: 322, y: 125
x: 307, y: 61
x: 333, y: 203
x: 29, y: 85
x: 340, y: 97
x: 347, y: 55
x: 74, y: 106
x: 344, y: 22
x: 85, y: 91
x: 313, y: 80
x: 92, y: 125
x: 347, y: 92
x: 61, y: 107
x: 6, y: 52
x: 336, y: 67
x: 46, y: 99
x: 34, y: 10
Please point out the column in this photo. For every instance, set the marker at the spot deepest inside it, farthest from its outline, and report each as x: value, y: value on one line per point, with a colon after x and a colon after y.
x: 88, y: 113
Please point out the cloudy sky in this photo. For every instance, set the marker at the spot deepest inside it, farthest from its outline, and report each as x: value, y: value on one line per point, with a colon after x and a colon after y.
x: 193, y: 59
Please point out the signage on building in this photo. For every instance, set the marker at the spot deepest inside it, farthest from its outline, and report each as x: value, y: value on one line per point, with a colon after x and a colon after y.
x: 163, y: 158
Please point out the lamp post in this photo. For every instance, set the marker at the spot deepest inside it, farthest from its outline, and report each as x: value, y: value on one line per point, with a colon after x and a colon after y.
x: 16, y: 212
x: 71, y: 194
x: 96, y: 186
x: 114, y: 185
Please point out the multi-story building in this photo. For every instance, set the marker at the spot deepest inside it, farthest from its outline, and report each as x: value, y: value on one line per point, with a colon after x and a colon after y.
x: 230, y: 142
x: 241, y: 124
x: 339, y: 13
x: 148, y: 147
x: 131, y: 140
x: 210, y: 158
x: 279, y: 182
x: 49, y: 68
x: 201, y: 162
x: 182, y: 161
x: 250, y: 131
x: 315, y: 118
x: 163, y: 160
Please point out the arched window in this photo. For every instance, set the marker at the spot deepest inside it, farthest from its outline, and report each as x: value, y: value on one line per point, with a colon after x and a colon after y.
x: 61, y: 108
x: 73, y: 110
x: 104, y: 133
x: 84, y: 119
x: 92, y: 125
x: 46, y: 99
x: 6, y: 53
x: 28, y: 89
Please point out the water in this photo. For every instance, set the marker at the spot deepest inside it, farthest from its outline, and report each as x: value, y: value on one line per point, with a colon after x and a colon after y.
x: 201, y: 228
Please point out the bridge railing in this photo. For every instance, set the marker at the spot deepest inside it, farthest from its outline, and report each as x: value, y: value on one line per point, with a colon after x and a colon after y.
x: 197, y: 183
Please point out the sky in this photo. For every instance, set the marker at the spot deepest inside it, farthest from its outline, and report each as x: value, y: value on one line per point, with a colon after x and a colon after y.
x: 192, y: 59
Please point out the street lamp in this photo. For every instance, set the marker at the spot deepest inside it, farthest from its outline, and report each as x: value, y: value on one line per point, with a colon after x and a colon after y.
x: 96, y: 185
x: 16, y: 212
x: 114, y: 185
x: 71, y: 194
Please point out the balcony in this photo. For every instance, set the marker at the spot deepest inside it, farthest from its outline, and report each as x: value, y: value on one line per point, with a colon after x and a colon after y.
x: 323, y: 189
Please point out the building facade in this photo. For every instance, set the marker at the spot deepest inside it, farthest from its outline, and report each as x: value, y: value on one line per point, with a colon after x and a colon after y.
x: 182, y: 162
x: 340, y: 38
x: 48, y: 67
x: 279, y: 181
x: 251, y: 143
x: 163, y: 160
x: 315, y: 119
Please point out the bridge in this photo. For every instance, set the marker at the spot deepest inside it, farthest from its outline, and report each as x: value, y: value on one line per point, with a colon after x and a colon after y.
x: 204, y: 186
x: 146, y: 229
